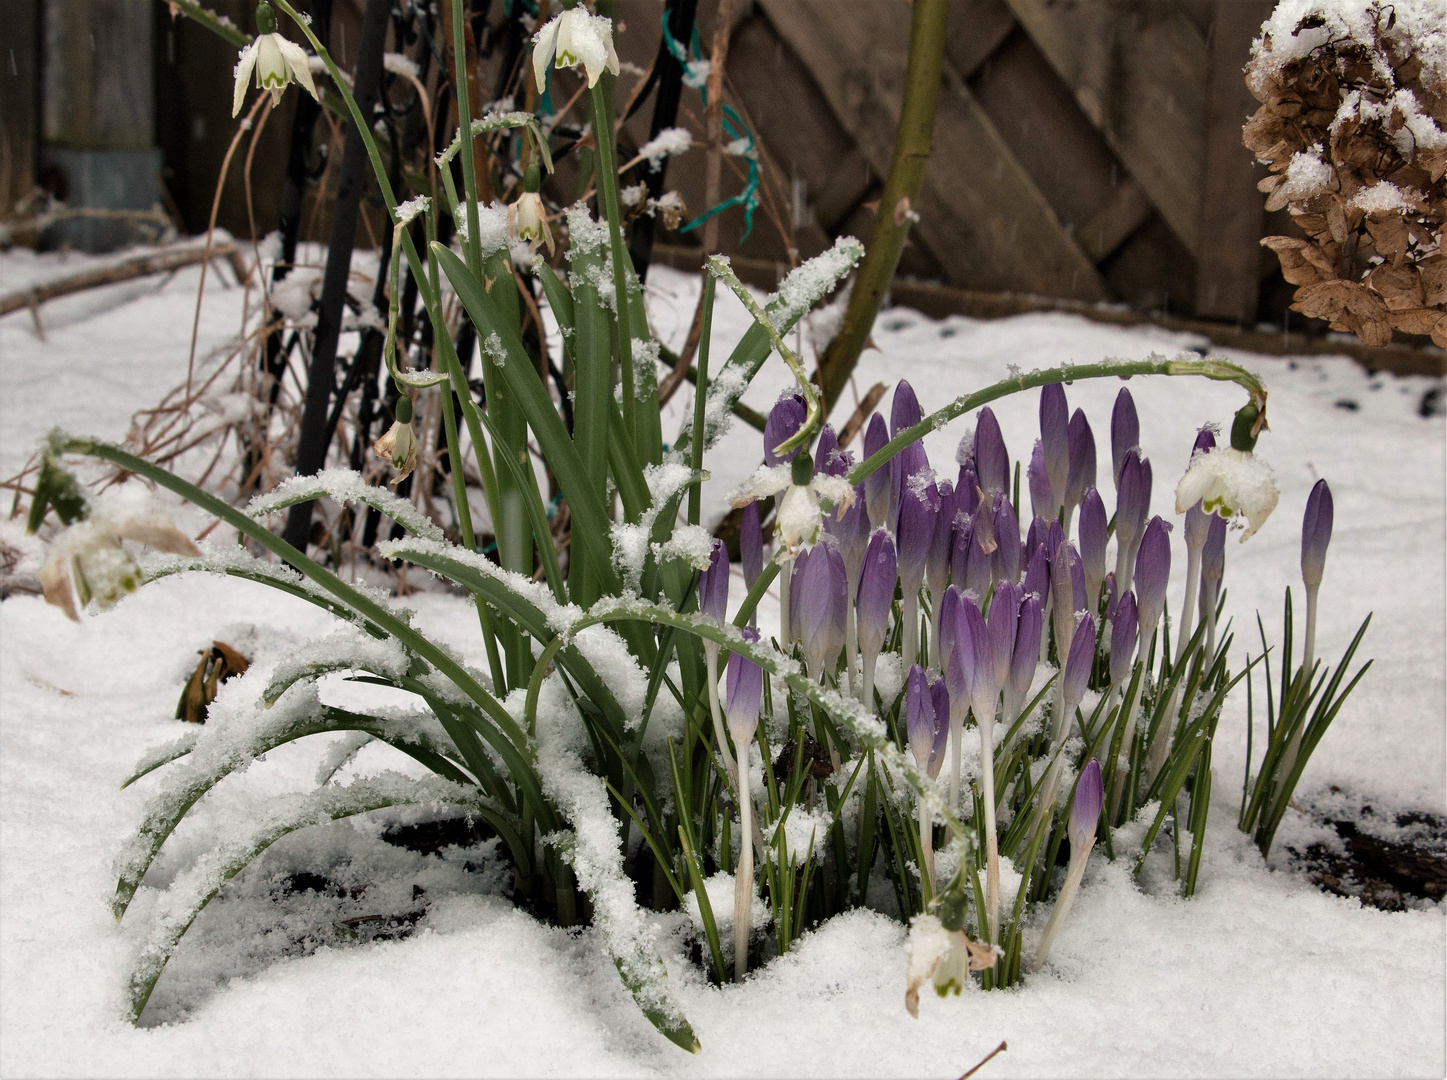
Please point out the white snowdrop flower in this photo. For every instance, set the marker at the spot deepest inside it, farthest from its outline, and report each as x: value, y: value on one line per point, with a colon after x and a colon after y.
x: 528, y: 218
x: 87, y: 561
x: 275, y: 59
x: 575, y: 37
x: 398, y: 447
x: 1230, y: 481
x: 800, y: 517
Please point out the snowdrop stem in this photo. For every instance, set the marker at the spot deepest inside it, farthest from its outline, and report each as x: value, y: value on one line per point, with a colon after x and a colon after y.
x: 910, y: 615
x: 1063, y: 903
x: 608, y: 185
x: 744, y: 879
x: 710, y: 655
x: 927, y: 849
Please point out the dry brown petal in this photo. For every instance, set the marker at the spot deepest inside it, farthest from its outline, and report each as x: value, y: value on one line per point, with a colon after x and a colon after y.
x: 1433, y: 273
x: 1420, y: 321
x: 1336, y: 220
x: 1296, y: 265
x: 1389, y: 235
x: 157, y: 532
x: 1325, y: 300
x: 55, y: 585
x: 1399, y: 287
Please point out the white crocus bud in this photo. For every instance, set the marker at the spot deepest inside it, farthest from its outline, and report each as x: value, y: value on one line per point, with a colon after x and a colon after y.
x: 398, y: 447
x: 575, y: 37
x: 275, y: 60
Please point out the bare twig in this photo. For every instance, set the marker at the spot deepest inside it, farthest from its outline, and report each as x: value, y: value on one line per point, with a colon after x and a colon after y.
x: 998, y: 1050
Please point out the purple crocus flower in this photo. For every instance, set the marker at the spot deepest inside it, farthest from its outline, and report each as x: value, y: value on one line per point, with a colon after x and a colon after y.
x: 1004, y: 622
x: 1078, y: 664
x: 1035, y: 537
x: 918, y: 506
x: 1062, y: 594
x: 1316, y: 534
x: 1042, y: 496
x: 1082, y: 459
x: 1037, y: 574
x: 1110, y: 595
x: 818, y: 596
x: 785, y: 419
x: 751, y: 544
x: 1055, y: 439
x: 1123, y: 631
x: 960, y: 667
x: 919, y: 716
x: 1085, y: 807
x: 1092, y: 534
x: 744, y: 693
x: 981, y: 674
x: 967, y: 491
x: 829, y: 459
x: 1197, y: 524
x: 992, y: 461
x: 875, y: 599
x: 1152, y: 573
x: 1054, y: 537
x: 1027, y: 649
x: 1125, y: 432
x: 940, y: 695
x: 904, y: 413
x: 876, y: 485
x: 937, y: 562
x: 948, y: 617
x: 1006, y: 562
x: 1132, y: 507
x: 713, y: 584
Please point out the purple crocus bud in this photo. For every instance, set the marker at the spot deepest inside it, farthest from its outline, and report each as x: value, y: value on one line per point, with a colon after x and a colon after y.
x: 818, y: 594
x: 1078, y: 663
x: 851, y: 534
x: 1027, y: 648
x: 960, y: 552
x: 1037, y: 574
x: 919, y: 716
x: 937, y: 562
x: 1042, y: 496
x: 982, y: 677
x: 992, y: 461
x: 940, y: 693
x: 1004, y: 622
x: 829, y: 459
x: 1055, y: 438
x: 1110, y: 595
x: 1213, y: 566
x: 751, y: 544
x: 1092, y: 534
x: 918, y: 506
x: 877, y: 576
x: 949, y: 620
x: 876, y: 485
x: 1062, y: 594
x: 967, y: 491
x: 1316, y: 534
x: 960, y: 668
x: 834, y: 627
x: 743, y: 693
x: 713, y: 584
x: 1082, y: 459
x: 1054, y: 537
x: 1197, y: 523
x: 785, y: 419
x: 1125, y: 432
x: 1006, y: 562
x: 1035, y: 537
x: 904, y: 411
x: 1085, y: 807
x: 1132, y: 499
x: 1152, y: 573
x: 1123, y: 631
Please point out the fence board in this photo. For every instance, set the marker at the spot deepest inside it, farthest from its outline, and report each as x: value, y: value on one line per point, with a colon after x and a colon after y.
x: 988, y: 223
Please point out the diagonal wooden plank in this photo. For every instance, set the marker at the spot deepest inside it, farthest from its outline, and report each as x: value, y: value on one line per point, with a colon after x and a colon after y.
x: 1139, y: 69
x: 985, y: 220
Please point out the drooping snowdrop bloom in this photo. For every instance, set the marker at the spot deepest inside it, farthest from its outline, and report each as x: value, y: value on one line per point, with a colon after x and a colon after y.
x: 745, y: 695
x: 88, y: 563
x: 799, y: 517
x: 1232, y: 481
x: 992, y: 460
x: 1125, y: 432
x: 575, y: 37
x: 1084, y: 814
x: 275, y: 60
x: 942, y: 957
x: 398, y: 446
x: 528, y: 218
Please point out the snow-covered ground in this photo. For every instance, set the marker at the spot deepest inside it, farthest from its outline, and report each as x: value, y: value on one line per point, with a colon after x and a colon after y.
x: 1259, y: 974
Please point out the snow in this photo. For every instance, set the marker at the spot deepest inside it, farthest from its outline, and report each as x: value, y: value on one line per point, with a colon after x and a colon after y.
x: 1260, y: 973
x: 665, y: 144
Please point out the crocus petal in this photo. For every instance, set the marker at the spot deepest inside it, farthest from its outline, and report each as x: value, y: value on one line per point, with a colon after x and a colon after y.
x: 1085, y: 807
x: 1082, y: 459
x: 1152, y: 573
x: 919, y: 716
x: 1316, y: 533
x: 246, y: 60
x: 1123, y: 633
x: 1026, y: 654
x: 992, y: 460
x: 1125, y: 431
x: 876, y: 485
x: 1055, y: 437
x: 877, y: 578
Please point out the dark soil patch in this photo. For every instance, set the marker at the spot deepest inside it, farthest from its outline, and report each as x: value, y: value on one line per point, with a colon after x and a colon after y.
x: 1388, y: 861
